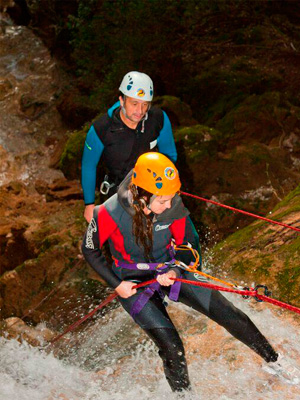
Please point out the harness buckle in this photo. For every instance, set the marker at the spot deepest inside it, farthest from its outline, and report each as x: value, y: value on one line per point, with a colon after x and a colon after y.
x: 245, y: 296
x: 266, y: 292
x: 181, y: 265
x: 106, y: 186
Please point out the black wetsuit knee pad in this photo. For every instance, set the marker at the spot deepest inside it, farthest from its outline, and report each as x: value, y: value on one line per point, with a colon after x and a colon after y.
x: 168, y: 341
x: 172, y: 353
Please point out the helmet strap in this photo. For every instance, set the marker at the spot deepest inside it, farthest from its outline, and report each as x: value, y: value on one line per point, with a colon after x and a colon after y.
x: 148, y: 206
x: 124, y: 111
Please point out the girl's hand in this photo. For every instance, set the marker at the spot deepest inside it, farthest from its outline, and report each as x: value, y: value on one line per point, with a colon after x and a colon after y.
x: 164, y: 279
x: 125, y: 289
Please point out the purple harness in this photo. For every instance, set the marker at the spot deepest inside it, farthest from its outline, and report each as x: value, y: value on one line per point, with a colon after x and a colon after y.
x: 147, y: 293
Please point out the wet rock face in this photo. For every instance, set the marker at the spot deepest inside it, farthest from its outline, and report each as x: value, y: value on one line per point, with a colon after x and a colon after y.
x: 25, y: 216
x: 31, y: 126
x: 17, y: 329
x: 14, y: 249
x: 31, y: 192
x: 17, y: 10
x: 244, y: 163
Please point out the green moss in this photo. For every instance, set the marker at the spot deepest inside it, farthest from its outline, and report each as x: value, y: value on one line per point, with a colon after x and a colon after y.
x: 240, y: 238
x: 291, y: 197
x: 177, y: 110
x: 48, y: 242
x: 199, y: 141
x: 290, y: 250
x: 239, y: 267
x: 258, y: 154
x: 20, y: 267
x: 71, y: 157
x: 70, y: 161
x: 288, y: 283
x: 251, y: 109
x: 263, y: 267
x: 280, y: 216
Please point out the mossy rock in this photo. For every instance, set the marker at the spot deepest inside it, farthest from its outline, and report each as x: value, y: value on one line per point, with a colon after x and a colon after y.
x: 266, y: 253
x: 199, y: 141
x: 251, y: 176
x: 258, y: 117
x: 180, y: 113
x: 70, y: 161
x: 220, y: 88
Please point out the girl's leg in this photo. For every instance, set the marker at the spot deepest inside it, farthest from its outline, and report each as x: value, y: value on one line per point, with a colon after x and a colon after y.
x: 155, y: 321
x: 235, y: 321
x: 172, y: 353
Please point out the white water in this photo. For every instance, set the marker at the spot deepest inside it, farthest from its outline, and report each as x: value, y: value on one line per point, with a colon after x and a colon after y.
x: 113, y: 359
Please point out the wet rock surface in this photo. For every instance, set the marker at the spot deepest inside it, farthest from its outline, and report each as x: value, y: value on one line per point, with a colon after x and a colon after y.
x: 39, y: 235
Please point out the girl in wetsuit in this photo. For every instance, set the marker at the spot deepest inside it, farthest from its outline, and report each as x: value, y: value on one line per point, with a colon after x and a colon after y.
x: 140, y: 223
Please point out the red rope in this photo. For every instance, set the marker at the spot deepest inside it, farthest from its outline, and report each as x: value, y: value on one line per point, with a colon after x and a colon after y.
x: 241, y: 211
x: 243, y: 292
x: 278, y: 303
x: 108, y: 300
x: 252, y: 293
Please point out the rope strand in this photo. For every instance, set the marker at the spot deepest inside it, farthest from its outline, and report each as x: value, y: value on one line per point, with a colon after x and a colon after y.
x: 271, y: 221
x: 111, y: 297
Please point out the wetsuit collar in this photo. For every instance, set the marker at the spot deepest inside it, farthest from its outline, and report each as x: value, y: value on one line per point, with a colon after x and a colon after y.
x: 114, y: 113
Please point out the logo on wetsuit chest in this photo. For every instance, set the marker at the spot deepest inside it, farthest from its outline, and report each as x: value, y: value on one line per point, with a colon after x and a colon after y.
x: 92, y: 228
x: 200, y: 278
x: 161, y: 227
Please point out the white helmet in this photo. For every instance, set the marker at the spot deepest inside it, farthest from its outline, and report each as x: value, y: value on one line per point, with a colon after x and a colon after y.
x: 137, y: 85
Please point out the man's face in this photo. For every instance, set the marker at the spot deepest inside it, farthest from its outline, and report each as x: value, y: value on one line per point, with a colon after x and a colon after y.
x: 135, y: 110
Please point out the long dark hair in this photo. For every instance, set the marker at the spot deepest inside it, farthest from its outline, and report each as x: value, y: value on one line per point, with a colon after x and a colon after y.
x: 142, y: 225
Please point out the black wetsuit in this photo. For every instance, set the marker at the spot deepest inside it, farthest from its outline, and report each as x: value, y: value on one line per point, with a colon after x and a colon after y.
x: 120, y: 146
x: 112, y: 221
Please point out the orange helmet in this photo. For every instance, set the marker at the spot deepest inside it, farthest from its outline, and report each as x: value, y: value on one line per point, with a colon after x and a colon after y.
x: 155, y: 173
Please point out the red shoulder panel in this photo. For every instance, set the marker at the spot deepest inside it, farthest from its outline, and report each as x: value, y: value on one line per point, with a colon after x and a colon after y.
x: 177, y: 229
x: 109, y: 229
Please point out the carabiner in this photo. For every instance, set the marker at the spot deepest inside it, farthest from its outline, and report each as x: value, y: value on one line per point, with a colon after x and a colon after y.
x: 267, y: 292
x: 105, y: 186
x: 246, y: 296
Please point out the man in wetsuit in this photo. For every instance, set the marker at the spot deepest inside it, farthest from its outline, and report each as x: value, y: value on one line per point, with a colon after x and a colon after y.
x: 129, y: 129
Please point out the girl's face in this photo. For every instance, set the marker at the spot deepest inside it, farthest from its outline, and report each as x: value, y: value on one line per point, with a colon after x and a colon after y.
x: 161, y: 203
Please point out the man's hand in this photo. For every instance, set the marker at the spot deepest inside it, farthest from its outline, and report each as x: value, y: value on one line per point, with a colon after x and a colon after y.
x: 164, y: 279
x: 125, y: 289
x: 88, y: 212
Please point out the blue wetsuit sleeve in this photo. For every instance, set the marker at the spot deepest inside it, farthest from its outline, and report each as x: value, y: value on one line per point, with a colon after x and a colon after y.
x: 93, y: 148
x: 165, y: 141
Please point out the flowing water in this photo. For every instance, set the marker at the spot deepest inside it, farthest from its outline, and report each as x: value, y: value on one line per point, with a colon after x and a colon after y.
x: 113, y: 359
